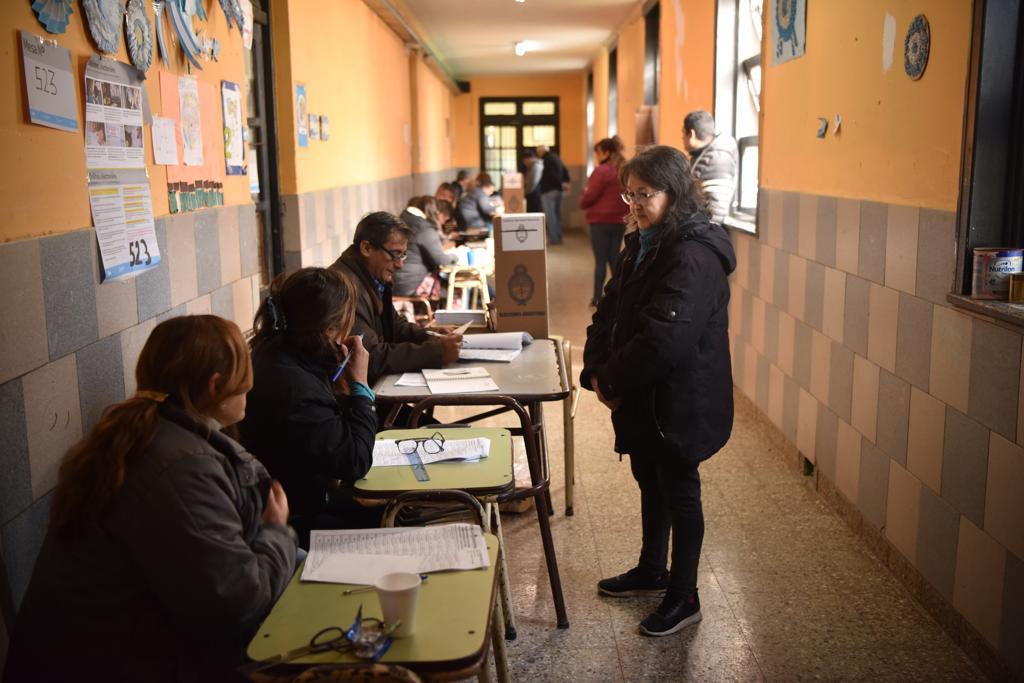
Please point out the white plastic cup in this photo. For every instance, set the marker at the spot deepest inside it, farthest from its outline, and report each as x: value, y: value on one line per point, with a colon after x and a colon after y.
x: 398, y: 593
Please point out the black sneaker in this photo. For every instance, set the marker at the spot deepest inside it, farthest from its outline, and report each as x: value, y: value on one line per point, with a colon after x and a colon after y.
x: 675, y: 613
x: 634, y: 582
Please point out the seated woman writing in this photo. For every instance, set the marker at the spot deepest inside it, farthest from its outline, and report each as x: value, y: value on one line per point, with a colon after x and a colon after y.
x: 310, y: 422
x: 167, y: 543
x: 425, y: 254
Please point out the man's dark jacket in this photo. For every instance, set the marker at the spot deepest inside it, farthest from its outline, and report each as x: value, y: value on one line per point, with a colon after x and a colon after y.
x: 659, y: 342
x: 394, y: 344
x: 553, y: 174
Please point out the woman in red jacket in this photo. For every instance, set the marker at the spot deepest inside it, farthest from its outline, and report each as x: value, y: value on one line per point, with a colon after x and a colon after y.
x: 605, y: 210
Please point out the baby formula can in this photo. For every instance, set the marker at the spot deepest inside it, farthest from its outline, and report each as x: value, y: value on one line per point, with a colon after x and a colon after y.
x: 992, y: 270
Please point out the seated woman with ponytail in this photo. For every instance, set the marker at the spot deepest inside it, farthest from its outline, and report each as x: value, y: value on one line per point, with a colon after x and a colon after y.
x: 309, y: 421
x: 167, y: 543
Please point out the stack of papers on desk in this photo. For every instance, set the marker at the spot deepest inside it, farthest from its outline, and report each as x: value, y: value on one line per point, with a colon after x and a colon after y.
x: 364, y: 555
x: 459, y: 380
x: 498, y: 346
x: 386, y: 453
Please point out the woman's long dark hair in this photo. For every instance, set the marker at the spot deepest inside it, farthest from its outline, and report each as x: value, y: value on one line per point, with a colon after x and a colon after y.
x: 300, y: 307
x: 177, y: 362
x: 666, y: 168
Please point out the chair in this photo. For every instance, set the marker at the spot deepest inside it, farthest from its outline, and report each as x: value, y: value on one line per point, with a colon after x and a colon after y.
x: 416, y: 309
x: 472, y: 282
x: 374, y: 672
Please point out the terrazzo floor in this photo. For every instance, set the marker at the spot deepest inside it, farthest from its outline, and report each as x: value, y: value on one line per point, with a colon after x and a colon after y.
x: 787, y: 591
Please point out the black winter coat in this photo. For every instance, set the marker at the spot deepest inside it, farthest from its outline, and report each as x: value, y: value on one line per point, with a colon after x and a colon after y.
x: 659, y: 342
x: 302, y: 432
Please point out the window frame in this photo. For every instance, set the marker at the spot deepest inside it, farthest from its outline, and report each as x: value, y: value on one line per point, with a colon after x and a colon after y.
x: 519, y: 120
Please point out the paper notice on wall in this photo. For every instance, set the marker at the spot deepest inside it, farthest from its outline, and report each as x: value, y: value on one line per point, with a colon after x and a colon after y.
x: 302, y: 115
x: 165, y: 145
x: 113, y: 117
x: 522, y: 232
x: 49, y: 83
x: 122, y: 212
x: 191, y: 121
x: 234, y: 147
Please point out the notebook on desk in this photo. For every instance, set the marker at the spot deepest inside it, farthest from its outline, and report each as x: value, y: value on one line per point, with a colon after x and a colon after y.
x: 459, y: 380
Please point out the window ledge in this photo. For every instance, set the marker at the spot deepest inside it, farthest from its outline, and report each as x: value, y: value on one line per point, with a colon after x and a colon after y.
x: 999, y: 310
x: 738, y: 222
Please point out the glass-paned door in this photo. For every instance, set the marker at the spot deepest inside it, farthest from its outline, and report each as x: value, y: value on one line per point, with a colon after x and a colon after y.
x: 512, y: 125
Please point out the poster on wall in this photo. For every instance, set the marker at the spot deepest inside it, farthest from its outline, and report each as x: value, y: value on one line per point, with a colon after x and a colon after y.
x: 113, y: 118
x: 122, y: 212
x: 191, y: 121
x: 165, y: 143
x: 325, y: 128
x: 234, y: 146
x: 788, y: 21
x: 302, y: 115
x: 50, y: 83
x: 314, y: 126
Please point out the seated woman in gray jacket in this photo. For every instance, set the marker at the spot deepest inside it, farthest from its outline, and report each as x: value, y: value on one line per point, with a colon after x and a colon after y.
x: 167, y: 543
x: 475, y: 206
x: 425, y: 253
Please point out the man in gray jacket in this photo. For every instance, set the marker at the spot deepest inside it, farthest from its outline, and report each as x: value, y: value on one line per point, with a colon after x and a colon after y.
x: 714, y: 159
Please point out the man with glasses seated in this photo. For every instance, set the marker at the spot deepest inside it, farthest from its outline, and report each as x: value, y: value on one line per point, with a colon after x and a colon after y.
x: 378, y: 249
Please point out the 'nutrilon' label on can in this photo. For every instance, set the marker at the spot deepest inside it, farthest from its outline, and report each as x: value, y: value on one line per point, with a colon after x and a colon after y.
x: 992, y: 270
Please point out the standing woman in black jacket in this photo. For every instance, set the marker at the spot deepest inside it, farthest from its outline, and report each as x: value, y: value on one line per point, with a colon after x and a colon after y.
x: 310, y: 422
x: 657, y: 355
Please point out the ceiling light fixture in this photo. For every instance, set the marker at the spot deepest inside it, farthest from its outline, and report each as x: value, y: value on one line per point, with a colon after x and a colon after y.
x: 524, y: 46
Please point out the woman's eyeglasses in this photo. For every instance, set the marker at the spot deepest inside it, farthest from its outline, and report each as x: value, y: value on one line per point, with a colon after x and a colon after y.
x: 396, y: 256
x: 639, y: 197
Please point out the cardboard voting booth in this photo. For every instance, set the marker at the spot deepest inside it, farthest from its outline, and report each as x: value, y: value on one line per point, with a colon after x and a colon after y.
x: 512, y: 193
x: 520, y: 273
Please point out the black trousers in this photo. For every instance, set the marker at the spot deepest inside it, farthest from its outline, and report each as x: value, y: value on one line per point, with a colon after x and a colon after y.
x: 605, y: 241
x: 669, y: 502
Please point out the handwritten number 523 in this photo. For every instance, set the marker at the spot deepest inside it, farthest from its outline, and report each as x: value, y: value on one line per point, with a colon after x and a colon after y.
x: 44, y: 80
x: 138, y: 253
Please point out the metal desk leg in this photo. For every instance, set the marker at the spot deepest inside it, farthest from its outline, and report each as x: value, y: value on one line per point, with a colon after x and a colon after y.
x: 503, y: 578
x: 537, y: 415
x: 568, y: 414
x: 498, y: 645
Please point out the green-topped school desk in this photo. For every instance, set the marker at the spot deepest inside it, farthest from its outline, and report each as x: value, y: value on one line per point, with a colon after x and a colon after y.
x: 490, y: 476
x: 453, y: 622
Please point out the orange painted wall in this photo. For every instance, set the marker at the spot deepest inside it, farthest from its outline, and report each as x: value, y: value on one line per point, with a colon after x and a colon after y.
x: 600, y: 71
x: 434, y: 112
x: 630, y: 80
x: 570, y: 88
x: 355, y: 70
x: 687, y: 45
x: 900, y: 139
x: 44, y: 191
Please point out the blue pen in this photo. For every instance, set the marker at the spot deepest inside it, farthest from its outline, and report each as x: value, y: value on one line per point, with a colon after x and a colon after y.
x: 341, y: 368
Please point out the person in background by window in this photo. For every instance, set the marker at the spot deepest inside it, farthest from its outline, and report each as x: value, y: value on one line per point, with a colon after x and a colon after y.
x: 531, y: 181
x: 310, y: 425
x: 606, y: 214
x: 167, y: 543
x: 714, y: 159
x: 554, y: 181
x: 476, y: 206
x: 462, y: 184
x: 657, y: 355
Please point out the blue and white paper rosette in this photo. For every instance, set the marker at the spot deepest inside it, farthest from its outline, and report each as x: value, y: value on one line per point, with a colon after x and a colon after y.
x: 139, y: 35
x: 54, y: 14
x: 105, y: 23
x: 916, y: 47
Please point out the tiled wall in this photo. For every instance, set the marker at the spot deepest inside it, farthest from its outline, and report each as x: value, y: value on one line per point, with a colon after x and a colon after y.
x: 910, y: 409
x: 68, y: 347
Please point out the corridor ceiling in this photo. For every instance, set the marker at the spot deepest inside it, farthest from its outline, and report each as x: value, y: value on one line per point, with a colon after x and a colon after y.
x: 476, y: 37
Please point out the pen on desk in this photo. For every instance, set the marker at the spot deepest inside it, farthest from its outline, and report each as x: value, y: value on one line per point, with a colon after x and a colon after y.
x: 363, y: 589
